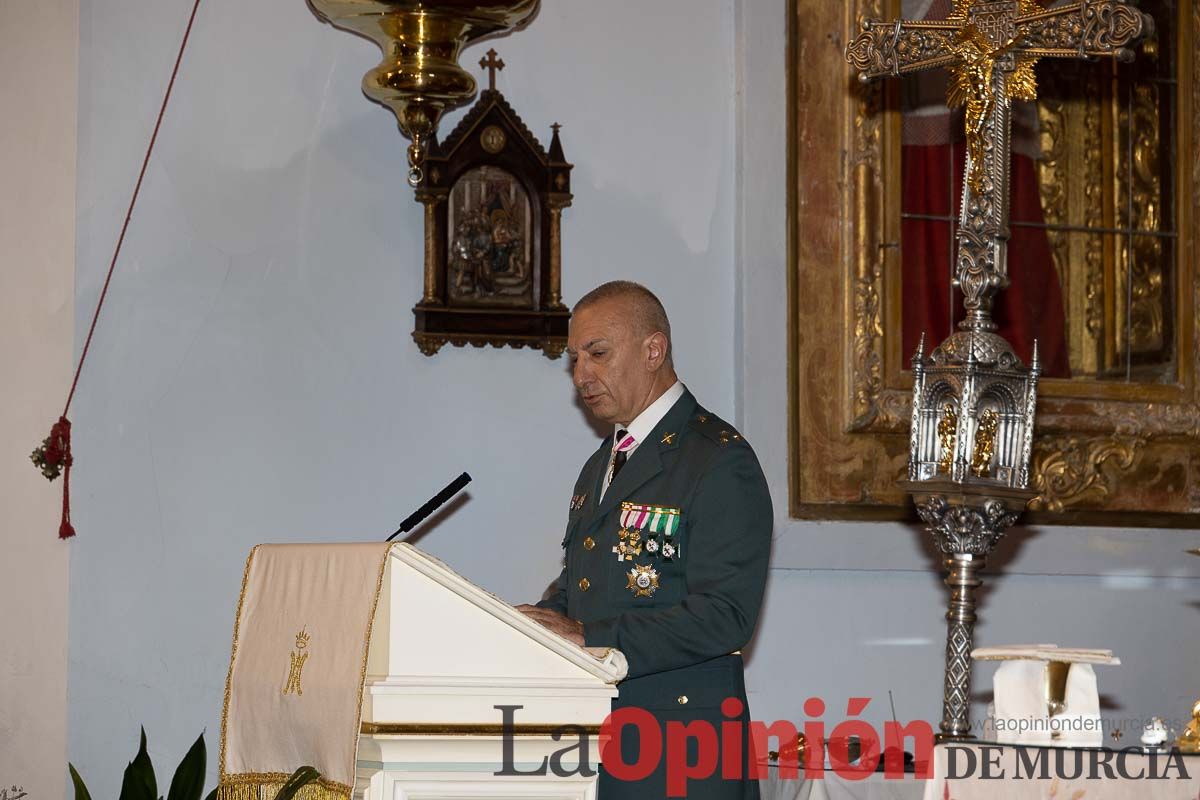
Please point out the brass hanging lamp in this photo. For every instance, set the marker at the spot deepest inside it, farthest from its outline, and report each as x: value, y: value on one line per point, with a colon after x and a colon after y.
x: 419, y: 77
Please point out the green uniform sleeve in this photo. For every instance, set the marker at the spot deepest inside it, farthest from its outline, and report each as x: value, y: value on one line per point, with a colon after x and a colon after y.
x: 556, y: 600
x: 729, y: 541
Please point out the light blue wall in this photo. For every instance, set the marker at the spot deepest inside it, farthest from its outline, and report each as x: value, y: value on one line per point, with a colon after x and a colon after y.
x: 254, y: 378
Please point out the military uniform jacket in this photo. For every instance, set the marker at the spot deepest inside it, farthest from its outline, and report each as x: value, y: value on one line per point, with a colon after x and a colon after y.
x: 669, y: 567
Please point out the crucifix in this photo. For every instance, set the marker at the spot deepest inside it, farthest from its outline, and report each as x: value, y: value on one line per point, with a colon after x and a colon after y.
x: 973, y: 399
x: 492, y: 65
x: 990, y: 48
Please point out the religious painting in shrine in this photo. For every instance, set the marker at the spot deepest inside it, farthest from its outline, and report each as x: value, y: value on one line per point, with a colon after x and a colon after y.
x: 491, y: 240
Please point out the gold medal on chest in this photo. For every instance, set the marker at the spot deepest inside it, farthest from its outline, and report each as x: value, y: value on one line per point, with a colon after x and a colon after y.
x: 629, y: 544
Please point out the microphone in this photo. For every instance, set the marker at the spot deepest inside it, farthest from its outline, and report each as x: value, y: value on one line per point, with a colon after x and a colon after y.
x: 434, y: 504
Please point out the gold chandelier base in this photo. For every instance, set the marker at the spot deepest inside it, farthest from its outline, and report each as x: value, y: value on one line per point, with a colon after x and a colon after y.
x: 419, y: 78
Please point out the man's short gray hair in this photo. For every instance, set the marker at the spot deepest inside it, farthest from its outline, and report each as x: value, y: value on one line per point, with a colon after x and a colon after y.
x: 646, y: 310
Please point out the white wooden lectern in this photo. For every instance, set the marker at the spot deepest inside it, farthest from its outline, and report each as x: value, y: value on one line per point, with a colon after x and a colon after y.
x: 443, y: 655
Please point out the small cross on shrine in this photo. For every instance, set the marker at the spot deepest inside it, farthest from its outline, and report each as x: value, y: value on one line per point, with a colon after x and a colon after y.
x: 990, y: 48
x: 492, y: 65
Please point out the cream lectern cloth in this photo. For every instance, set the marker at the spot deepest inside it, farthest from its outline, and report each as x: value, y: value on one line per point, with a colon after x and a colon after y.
x: 293, y: 696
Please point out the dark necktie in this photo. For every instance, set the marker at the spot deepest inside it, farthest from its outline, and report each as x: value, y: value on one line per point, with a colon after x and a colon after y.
x: 624, y: 442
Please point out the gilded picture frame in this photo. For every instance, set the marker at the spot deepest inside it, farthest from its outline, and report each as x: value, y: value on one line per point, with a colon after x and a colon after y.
x: 1105, y: 453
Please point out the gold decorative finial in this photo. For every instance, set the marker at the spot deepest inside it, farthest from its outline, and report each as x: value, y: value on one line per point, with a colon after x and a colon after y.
x: 492, y: 64
x: 1189, y: 740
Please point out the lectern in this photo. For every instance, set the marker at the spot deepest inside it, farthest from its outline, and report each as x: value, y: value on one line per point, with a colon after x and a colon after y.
x: 461, y: 686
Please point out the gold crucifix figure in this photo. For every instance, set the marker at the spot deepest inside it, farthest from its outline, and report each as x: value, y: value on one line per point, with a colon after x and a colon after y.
x: 492, y: 65
x: 990, y: 48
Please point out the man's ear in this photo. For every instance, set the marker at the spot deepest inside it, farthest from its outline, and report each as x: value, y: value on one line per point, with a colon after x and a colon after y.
x: 656, y: 350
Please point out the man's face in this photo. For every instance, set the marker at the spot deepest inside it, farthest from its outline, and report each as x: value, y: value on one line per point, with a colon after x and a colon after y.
x: 611, y: 365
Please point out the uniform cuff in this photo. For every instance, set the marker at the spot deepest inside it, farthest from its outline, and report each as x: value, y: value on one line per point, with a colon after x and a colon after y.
x: 600, y: 633
x: 553, y: 604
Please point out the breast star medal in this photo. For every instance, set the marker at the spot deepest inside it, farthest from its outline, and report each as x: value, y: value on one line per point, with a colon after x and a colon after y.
x: 643, y: 580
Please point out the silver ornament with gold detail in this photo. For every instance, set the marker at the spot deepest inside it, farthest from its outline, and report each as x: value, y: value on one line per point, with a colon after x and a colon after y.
x: 643, y: 580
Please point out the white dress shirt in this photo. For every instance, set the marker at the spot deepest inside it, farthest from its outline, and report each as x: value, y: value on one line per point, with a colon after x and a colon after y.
x: 641, y: 427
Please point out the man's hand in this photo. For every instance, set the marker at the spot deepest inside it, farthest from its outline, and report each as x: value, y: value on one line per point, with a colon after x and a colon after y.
x: 569, y: 629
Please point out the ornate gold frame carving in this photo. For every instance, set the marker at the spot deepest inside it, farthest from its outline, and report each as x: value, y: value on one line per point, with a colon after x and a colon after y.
x: 1105, y: 453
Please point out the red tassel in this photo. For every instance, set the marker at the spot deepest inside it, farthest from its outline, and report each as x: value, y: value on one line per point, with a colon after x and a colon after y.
x: 54, y: 458
x: 60, y: 437
x: 65, y: 529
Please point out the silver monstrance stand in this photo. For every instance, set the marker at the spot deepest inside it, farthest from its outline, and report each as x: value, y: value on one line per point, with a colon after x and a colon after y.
x: 973, y: 399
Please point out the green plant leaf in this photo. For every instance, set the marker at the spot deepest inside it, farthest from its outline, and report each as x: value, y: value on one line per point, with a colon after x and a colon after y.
x: 139, y: 782
x: 81, y: 792
x: 188, y: 783
x: 300, y: 778
x: 211, y: 795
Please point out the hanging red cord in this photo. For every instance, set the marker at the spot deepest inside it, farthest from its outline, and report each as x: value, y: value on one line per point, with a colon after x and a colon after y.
x: 54, y: 456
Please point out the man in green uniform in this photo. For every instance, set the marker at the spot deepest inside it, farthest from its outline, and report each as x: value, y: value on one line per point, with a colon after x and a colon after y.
x: 666, y: 551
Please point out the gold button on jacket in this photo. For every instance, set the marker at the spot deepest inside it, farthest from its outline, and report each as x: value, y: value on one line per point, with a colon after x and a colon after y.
x: 584, y: 583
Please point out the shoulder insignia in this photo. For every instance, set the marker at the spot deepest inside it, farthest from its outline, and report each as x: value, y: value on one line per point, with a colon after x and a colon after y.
x: 714, y: 428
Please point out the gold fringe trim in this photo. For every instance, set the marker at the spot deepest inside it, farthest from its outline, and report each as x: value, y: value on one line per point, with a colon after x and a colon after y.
x: 237, y: 623
x: 265, y: 785
x: 362, y: 675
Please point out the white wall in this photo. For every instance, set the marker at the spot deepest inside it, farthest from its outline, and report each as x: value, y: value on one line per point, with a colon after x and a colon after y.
x: 254, y: 377
x: 37, y: 242
x: 857, y: 608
